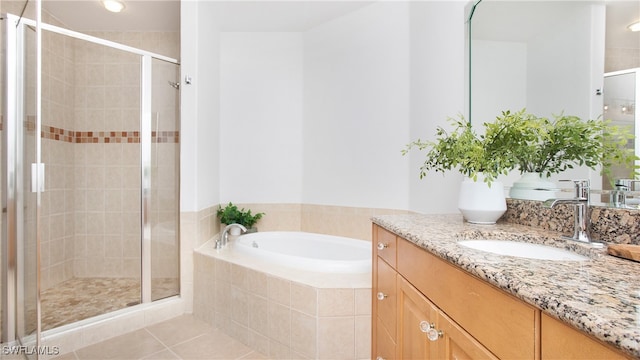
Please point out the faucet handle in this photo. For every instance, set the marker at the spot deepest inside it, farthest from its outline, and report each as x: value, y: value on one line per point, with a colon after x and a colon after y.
x: 581, y: 188
x: 628, y: 184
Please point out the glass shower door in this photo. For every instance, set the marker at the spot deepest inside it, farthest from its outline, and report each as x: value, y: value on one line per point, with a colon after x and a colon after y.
x: 164, y: 214
x: 19, y: 200
x: 620, y: 100
x: 91, y: 207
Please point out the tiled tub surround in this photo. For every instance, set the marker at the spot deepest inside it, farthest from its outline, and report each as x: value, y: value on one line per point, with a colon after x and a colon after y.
x: 600, y: 296
x: 610, y: 225
x: 283, y: 312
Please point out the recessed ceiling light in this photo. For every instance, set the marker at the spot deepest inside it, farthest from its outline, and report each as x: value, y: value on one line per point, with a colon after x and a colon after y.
x: 635, y: 26
x: 113, y: 5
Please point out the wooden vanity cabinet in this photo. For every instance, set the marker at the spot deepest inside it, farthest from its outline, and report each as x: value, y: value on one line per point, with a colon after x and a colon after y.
x: 466, y: 317
x: 416, y: 293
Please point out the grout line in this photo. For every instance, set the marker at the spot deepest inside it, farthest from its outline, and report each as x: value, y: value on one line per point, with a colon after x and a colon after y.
x: 247, y: 354
x: 163, y: 344
x: 263, y: 356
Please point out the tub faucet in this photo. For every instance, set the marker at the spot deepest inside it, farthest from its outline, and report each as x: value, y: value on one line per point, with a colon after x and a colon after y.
x: 224, y: 238
x: 580, y: 203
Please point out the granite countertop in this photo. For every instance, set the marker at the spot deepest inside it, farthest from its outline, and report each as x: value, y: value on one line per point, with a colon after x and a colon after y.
x: 601, y: 296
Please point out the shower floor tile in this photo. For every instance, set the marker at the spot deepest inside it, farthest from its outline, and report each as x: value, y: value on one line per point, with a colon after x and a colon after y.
x: 81, y: 298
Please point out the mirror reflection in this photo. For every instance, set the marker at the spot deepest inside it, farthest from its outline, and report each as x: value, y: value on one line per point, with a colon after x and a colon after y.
x: 554, y: 57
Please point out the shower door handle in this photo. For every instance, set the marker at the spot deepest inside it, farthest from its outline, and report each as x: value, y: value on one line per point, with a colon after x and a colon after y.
x: 37, y: 177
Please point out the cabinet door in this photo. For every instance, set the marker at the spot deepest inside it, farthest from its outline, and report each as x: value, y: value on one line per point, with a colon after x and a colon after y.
x: 416, y: 315
x: 560, y: 341
x: 457, y: 343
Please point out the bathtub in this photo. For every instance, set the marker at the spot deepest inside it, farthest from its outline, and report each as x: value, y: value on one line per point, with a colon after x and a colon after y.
x: 273, y: 290
x: 308, y: 251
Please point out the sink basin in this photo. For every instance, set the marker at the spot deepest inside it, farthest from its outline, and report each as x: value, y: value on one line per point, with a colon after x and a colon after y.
x: 523, y: 250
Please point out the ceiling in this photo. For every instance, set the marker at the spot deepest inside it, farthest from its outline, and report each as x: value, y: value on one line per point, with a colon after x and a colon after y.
x: 164, y: 15
x: 621, y: 14
x: 527, y: 18
x: 237, y: 15
x: 139, y: 15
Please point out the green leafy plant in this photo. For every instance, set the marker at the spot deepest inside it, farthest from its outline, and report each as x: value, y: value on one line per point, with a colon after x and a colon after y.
x: 523, y: 141
x: 464, y: 150
x: 549, y: 146
x: 230, y: 214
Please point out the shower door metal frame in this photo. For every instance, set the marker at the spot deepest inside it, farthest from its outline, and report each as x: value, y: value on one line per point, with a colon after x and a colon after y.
x: 11, y: 218
x: 9, y: 181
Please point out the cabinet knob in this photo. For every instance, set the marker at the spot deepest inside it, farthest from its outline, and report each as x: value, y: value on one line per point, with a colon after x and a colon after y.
x: 381, y: 296
x: 425, y: 326
x: 382, y: 246
x: 433, y: 334
x: 380, y: 358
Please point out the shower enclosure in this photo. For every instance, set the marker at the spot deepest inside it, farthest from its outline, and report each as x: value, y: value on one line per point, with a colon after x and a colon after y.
x: 90, y: 149
x: 621, y: 96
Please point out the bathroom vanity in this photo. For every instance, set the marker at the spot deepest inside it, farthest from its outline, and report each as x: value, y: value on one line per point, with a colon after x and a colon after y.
x: 433, y: 298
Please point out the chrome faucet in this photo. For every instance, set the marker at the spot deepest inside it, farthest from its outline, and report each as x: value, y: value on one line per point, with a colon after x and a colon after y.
x: 581, y: 206
x: 618, y: 195
x: 224, y: 238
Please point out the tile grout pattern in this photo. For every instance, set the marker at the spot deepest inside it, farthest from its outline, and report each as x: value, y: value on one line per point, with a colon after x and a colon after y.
x: 280, y: 317
x: 81, y: 298
x: 183, y: 337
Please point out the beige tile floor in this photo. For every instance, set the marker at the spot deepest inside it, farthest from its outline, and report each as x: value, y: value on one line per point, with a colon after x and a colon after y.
x: 183, y: 337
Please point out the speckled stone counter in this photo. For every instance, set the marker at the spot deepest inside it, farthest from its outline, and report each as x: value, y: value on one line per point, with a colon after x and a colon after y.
x: 600, y: 296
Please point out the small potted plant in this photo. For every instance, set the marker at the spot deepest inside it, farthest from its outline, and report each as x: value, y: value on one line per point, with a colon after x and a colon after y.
x: 476, y: 157
x: 230, y: 214
x: 541, y: 147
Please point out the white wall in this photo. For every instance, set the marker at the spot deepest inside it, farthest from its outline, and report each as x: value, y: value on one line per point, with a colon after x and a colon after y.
x: 437, y: 92
x: 261, y: 117
x: 504, y: 63
x: 365, y: 84
x: 356, y: 108
x: 556, y: 81
x: 199, y: 153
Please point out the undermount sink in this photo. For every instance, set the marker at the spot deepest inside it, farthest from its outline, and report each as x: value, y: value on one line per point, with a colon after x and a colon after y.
x: 523, y: 250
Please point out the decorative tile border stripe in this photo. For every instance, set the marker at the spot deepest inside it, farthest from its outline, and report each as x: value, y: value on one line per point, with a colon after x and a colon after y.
x: 101, y: 137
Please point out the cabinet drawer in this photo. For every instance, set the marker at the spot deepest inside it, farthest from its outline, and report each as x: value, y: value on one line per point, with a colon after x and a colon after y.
x: 385, y: 297
x: 487, y: 313
x: 386, y: 346
x: 384, y: 245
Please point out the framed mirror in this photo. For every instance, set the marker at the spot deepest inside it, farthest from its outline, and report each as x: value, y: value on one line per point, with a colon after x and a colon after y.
x: 549, y: 57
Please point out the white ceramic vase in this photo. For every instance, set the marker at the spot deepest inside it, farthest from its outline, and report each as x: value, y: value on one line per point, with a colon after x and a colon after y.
x: 480, y: 203
x: 532, y: 186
